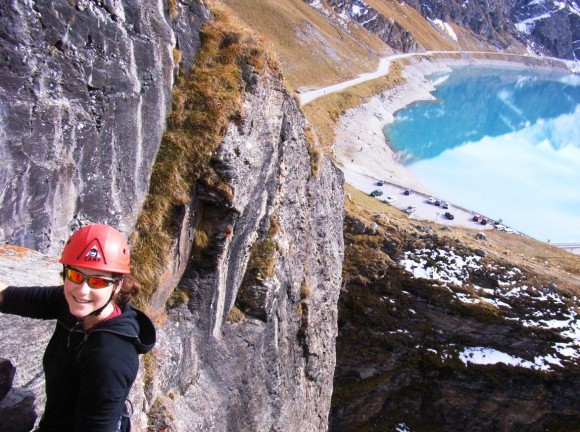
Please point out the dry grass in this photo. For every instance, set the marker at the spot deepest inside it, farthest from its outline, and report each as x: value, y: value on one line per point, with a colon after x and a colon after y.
x: 205, y: 101
x: 173, y: 12
x: 312, y: 51
x: 422, y: 31
x: 549, y: 264
x: 314, y: 150
x: 235, y: 315
x: 355, y: 200
x: 305, y: 291
x: 324, y: 113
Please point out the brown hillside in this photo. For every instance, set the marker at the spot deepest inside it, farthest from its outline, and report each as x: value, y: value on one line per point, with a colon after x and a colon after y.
x: 312, y: 50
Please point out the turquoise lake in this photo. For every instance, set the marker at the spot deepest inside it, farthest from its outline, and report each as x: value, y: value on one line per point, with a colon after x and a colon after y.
x: 501, y: 142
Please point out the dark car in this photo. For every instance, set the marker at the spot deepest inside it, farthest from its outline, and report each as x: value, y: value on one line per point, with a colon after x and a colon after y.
x: 380, y: 183
x: 483, y: 221
x: 408, y: 192
x: 376, y: 193
x: 438, y: 202
x: 449, y: 216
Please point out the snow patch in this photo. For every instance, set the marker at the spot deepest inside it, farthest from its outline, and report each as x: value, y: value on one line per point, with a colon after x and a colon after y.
x: 545, y: 308
x: 490, y: 356
x: 445, y: 27
x: 439, y: 264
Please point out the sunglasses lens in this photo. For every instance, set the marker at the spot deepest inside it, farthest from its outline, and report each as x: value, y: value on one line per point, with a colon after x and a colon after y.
x: 74, y: 276
x: 97, y: 282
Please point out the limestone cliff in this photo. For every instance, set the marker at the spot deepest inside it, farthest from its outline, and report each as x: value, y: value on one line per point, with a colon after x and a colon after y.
x: 252, y: 346
x: 85, y: 87
x: 246, y: 307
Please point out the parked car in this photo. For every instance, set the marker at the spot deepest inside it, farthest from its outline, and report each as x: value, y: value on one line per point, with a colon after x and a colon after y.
x: 446, y: 205
x: 477, y: 218
x: 431, y: 200
x: 376, y: 193
x: 380, y: 183
x: 500, y: 227
x: 483, y: 221
x: 449, y: 216
x: 437, y: 203
x: 408, y: 192
x: 389, y: 199
x: 410, y: 209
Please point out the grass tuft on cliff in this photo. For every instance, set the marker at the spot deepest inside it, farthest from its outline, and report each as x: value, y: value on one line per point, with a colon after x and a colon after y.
x: 205, y: 101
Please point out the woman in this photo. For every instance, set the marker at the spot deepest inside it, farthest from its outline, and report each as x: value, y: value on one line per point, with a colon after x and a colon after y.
x: 91, y: 360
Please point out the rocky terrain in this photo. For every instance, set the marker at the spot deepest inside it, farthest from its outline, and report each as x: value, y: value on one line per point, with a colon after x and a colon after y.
x: 434, y: 330
x: 441, y: 333
x: 85, y: 89
x: 246, y: 308
x: 545, y: 27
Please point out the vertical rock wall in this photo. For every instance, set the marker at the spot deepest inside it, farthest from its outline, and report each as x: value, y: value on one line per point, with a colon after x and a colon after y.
x: 84, y: 90
x: 269, y: 366
x: 85, y: 87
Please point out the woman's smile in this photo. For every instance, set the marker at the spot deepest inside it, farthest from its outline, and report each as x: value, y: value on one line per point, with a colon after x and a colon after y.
x: 81, y: 301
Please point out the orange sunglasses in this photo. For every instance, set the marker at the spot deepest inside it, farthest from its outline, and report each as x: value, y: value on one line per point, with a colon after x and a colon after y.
x: 96, y: 282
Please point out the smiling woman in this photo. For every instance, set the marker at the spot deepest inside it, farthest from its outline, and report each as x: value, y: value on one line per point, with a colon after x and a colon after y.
x: 91, y: 360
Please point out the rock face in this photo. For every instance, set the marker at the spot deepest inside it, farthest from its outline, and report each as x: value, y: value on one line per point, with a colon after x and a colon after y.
x: 388, y: 30
x: 268, y: 363
x: 434, y: 337
x: 84, y: 92
x: 552, y: 28
x: 245, y: 349
x: 21, y: 372
x: 546, y: 27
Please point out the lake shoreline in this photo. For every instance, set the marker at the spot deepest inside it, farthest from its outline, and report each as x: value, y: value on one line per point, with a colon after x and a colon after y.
x: 360, y: 145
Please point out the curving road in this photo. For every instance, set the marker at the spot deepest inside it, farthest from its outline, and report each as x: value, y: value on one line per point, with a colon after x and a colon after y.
x: 384, y: 67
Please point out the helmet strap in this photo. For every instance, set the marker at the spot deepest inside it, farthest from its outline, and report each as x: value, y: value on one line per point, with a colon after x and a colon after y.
x: 98, y: 311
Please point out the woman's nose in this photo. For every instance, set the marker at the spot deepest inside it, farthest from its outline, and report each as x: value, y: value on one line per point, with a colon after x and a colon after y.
x: 83, y: 287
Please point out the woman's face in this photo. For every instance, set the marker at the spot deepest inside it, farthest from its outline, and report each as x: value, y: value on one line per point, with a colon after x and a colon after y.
x: 82, y: 299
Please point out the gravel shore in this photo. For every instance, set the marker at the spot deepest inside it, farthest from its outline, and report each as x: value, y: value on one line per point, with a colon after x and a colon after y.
x: 361, y: 146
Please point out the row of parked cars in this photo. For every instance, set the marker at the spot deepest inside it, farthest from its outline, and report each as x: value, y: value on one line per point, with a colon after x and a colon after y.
x: 411, y: 209
x: 439, y: 203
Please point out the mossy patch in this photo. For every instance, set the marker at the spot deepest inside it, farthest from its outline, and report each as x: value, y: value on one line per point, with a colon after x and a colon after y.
x: 205, y: 101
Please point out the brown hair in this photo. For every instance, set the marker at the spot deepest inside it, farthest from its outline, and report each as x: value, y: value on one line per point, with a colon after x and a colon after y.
x: 129, y: 289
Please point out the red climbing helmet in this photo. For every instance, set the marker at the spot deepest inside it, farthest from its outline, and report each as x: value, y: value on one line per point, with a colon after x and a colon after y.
x: 98, y: 247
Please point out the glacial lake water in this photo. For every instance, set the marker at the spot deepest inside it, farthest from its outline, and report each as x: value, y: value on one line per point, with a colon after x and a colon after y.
x: 502, y: 142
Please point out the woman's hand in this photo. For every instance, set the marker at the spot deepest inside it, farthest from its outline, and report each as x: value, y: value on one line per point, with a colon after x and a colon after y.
x: 3, y: 286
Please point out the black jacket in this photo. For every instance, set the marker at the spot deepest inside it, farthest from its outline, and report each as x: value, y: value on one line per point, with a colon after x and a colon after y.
x: 88, y: 375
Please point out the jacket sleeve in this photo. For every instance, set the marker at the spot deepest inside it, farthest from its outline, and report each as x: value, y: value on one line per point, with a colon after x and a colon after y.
x: 107, y: 371
x: 33, y: 302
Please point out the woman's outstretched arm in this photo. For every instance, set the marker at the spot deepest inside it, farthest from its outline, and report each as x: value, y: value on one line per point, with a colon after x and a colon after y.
x: 3, y: 286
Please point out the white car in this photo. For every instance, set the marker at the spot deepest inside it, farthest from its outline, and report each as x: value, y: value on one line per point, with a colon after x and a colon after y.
x: 431, y: 200
x: 410, y: 209
x: 389, y: 199
x: 446, y: 205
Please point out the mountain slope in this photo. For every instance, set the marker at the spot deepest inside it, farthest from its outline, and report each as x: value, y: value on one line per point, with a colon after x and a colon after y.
x: 439, y: 331
x: 313, y: 50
